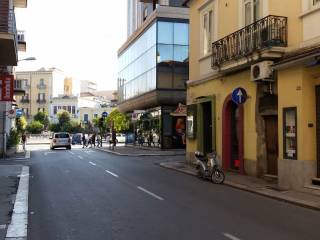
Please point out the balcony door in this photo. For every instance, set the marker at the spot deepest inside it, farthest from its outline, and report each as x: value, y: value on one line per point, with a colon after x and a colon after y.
x: 251, y: 11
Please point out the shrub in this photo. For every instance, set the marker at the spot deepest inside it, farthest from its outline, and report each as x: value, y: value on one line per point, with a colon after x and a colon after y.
x: 14, y: 138
x: 35, y: 127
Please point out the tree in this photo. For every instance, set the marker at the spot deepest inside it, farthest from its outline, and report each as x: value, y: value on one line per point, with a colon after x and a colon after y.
x: 64, y: 118
x: 35, y: 127
x: 118, y: 120
x: 43, y: 118
x: 54, y: 127
x: 101, y: 124
x: 21, y: 124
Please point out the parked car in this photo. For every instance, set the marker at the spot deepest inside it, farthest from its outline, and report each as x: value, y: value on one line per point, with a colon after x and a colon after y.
x: 59, y: 140
x: 76, y: 138
x: 121, y: 138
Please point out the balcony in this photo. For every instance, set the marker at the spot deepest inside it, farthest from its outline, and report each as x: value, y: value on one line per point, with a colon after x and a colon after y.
x: 8, y: 37
x: 264, y: 38
x: 41, y: 101
x: 25, y: 100
x: 22, y: 45
x: 41, y: 86
x: 20, y: 3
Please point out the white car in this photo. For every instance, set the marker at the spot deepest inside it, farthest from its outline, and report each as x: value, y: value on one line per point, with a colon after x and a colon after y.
x: 60, y: 140
x: 121, y: 138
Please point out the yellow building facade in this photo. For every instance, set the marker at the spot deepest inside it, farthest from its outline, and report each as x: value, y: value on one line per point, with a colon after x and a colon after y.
x: 270, y: 50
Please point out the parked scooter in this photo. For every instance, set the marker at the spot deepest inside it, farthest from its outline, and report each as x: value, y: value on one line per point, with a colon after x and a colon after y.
x: 208, y: 168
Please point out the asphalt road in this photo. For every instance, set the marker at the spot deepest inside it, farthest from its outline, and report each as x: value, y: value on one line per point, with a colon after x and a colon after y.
x: 93, y: 195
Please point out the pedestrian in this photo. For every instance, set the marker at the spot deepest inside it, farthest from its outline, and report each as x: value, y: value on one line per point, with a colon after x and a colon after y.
x: 24, y: 140
x: 93, y: 140
x: 83, y: 140
x: 99, y: 140
x: 114, y: 139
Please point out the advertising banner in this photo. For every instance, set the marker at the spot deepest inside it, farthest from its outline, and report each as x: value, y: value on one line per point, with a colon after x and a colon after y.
x: 6, y: 83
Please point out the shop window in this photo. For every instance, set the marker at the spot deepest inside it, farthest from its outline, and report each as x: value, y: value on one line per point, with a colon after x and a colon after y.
x: 290, y: 133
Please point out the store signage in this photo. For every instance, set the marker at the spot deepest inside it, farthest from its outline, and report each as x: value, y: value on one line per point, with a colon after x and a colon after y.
x: 6, y: 83
x: 239, y: 95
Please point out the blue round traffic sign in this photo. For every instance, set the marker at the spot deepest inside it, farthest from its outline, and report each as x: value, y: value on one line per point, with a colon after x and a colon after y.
x: 239, y: 95
x: 104, y: 114
x: 19, y: 113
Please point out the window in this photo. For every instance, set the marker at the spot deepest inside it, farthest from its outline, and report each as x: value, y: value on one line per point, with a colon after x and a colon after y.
x: 165, y: 32
x: 252, y: 11
x: 39, y: 109
x: 55, y: 110
x: 69, y: 109
x: 41, y: 82
x: 315, y: 2
x: 207, y: 18
x: 25, y: 83
x: 17, y: 84
x: 95, y: 115
x: 85, y: 117
x: 290, y: 133
x: 73, y: 109
x: 25, y: 97
x: 41, y: 96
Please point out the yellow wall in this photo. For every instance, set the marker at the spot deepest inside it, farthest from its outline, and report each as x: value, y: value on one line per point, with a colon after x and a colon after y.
x: 296, y: 86
x: 291, y: 9
x: 221, y: 88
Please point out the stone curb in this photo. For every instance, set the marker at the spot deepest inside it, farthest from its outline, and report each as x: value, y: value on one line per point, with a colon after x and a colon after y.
x: 275, y: 196
x: 139, y: 155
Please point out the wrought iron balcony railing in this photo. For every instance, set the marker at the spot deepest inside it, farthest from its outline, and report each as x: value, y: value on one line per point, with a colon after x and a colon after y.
x: 25, y: 100
x: 271, y: 31
x: 41, y: 101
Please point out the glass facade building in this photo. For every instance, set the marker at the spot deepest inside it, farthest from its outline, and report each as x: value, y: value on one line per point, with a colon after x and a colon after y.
x: 158, y: 59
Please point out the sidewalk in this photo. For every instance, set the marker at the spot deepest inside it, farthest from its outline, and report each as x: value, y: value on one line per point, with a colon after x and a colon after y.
x: 135, y: 151
x: 304, y: 198
x: 9, y: 182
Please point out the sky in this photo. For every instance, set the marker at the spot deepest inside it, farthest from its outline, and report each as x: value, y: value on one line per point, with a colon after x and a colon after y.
x: 77, y: 36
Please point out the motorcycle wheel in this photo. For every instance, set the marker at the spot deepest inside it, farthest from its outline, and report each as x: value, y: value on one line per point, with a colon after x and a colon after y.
x: 217, y: 176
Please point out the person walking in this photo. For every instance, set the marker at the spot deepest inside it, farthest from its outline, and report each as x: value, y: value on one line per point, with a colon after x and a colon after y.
x: 99, y: 140
x: 93, y: 140
x: 24, y: 140
x: 114, y: 139
x: 83, y: 140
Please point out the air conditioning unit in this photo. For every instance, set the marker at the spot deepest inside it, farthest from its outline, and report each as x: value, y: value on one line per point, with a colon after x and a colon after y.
x: 262, y: 71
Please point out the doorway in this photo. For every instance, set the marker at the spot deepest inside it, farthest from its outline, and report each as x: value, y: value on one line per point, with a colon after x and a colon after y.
x: 318, y: 128
x: 271, y: 134
x: 232, y: 136
x: 207, y: 127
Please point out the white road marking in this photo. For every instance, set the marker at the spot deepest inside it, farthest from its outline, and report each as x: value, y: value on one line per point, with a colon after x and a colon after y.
x: 46, y: 153
x: 17, y: 229
x: 3, y: 226
x: 230, y: 236
x: 89, y: 151
x: 93, y: 164
x: 80, y: 157
x: 111, y: 173
x: 150, y: 193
